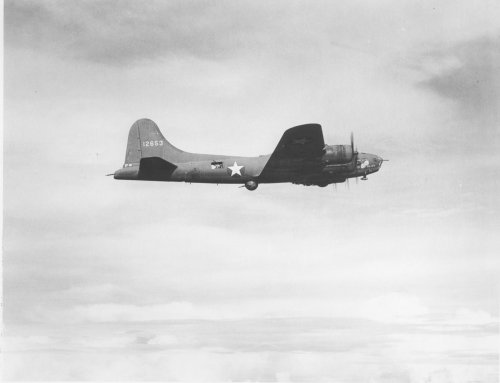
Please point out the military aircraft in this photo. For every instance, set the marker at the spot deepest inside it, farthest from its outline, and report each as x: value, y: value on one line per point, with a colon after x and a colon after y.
x: 301, y: 157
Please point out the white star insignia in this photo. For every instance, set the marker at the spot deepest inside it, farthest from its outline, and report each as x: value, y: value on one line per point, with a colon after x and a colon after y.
x: 235, y: 169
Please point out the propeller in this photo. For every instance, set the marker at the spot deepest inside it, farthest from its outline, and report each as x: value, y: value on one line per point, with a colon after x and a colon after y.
x: 354, y: 149
x: 354, y: 152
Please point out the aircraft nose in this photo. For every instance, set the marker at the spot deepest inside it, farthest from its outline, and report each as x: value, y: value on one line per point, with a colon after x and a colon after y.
x: 378, y: 162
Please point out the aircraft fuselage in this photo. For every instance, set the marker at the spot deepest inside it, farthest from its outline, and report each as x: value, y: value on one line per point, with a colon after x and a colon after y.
x: 301, y: 158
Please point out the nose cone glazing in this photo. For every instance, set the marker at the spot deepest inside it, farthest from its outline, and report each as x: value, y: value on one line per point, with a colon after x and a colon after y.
x: 368, y: 163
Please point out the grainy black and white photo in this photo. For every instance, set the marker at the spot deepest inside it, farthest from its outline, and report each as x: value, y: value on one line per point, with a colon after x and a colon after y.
x: 251, y: 191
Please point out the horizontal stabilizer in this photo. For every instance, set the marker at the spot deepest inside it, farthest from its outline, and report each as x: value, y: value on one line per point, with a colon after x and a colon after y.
x: 155, y: 169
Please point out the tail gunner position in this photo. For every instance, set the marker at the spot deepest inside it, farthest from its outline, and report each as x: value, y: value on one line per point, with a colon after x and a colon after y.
x: 301, y: 157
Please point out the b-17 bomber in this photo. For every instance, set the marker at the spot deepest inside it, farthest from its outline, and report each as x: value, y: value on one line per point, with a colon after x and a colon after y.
x: 301, y: 157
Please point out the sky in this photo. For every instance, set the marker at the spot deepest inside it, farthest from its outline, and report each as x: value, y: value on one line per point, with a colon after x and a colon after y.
x: 394, y: 279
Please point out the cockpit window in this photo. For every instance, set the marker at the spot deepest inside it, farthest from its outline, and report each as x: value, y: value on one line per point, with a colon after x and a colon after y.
x: 217, y: 165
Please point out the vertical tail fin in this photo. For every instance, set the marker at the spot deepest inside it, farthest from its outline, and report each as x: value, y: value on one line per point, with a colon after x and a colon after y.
x: 145, y: 140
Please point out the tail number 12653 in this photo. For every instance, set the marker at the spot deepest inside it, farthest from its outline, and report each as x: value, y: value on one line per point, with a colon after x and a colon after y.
x: 152, y: 143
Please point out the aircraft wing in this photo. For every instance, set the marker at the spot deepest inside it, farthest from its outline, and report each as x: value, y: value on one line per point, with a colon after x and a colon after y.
x: 300, y: 147
x: 303, y: 141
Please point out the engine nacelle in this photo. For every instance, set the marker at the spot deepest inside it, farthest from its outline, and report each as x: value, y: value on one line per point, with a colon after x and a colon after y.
x: 338, y: 154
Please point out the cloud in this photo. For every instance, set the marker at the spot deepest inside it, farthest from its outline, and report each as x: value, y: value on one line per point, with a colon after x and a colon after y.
x: 440, y: 376
x: 395, y: 307
x: 25, y: 343
x: 467, y: 74
x: 395, y: 376
x: 202, y: 364
x: 182, y: 310
x: 474, y: 317
x: 117, y: 312
x: 163, y: 340
x: 390, y: 308
x: 95, y: 31
x: 98, y: 31
x: 249, y: 349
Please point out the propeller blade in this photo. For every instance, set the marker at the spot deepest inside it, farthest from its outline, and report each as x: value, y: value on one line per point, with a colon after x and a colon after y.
x: 354, y: 152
